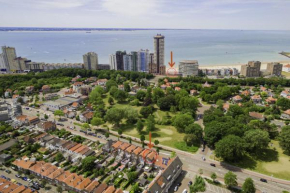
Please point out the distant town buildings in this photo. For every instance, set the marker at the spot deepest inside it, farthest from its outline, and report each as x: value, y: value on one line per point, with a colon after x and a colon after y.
x: 274, y: 68
x: 143, y: 60
x: 91, y: 61
x: 252, y: 69
x: 286, y: 68
x: 188, y: 68
x: 159, y: 51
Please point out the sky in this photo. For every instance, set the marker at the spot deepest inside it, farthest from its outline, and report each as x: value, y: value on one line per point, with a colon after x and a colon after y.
x: 171, y: 14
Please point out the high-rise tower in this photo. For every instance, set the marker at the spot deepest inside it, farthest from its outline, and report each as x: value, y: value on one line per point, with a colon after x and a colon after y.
x: 91, y: 61
x: 159, y: 50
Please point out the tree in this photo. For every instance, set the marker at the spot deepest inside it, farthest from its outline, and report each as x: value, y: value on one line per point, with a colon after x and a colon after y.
x: 139, y: 126
x: 141, y: 95
x: 59, y: 157
x: 127, y: 87
x: 198, y: 185
x: 135, y: 188
x: 230, y: 179
x: 256, y: 140
x: 96, y: 93
x: 284, y: 139
x: 120, y: 95
x: 166, y: 102
x: 146, y: 111
x: 248, y: 186
x: 88, y: 163
x: 20, y: 100
x: 181, y: 121
x: 230, y: 148
x: 59, y: 113
x: 111, y: 83
x: 120, y: 133
x: 156, y: 142
x: 173, y: 154
x: 213, y: 176
x: 113, y: 90
x: 194, y: 129
x: 114, y: 115
x: 157, y: 94
x: 45, y: 116
x: 111, y: 101
x: 191, y: 139
x: 150, y: 123
x: 59, y: 189
x: 96, y: 121
x: 142, y: 138
x: 131, y: 176
x: 131, y: 115
x: 85, y: 126
x: 107, y: 134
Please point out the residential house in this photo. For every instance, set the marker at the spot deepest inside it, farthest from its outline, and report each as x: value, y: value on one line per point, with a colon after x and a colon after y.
x: 29, y: 89
x: 8, y: 93
x: 77, y: 85
x: 86, y: 116
x: 256, y: 99
x: 226, y: 107
x: 91, y: 79
x: 237, y: 99
x: 284, y: 93
x: 45, y: 88
x: 246, y: 93
x: 69, y: 92
x: 177, y: 88
x: 102, y: 82
x: 68, y: 113
x: 15, y: 98
x: 33, y: 120
x: 51, y: 96
x: 163, y: 86
x: 22, y: 119
x: 75, y: 105
x: 47, y: 126
x: 286, y: 68
x: 271, y: 100
x: 257, y: 115
x: 193, y: 92
x: 121, y: 87
x: 205, y: 85
x: 135, y: 88
x: 286, y: 114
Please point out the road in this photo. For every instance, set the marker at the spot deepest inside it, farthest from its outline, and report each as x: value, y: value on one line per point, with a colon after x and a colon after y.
x: 191, y: 162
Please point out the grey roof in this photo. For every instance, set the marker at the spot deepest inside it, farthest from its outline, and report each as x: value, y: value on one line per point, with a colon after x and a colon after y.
x: 47, y: 138
x: 8, y: 144
x: 4, y: 156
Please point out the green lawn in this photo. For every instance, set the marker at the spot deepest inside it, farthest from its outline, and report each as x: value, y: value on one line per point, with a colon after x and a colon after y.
x: 270, y: 162
x: 166, y: 134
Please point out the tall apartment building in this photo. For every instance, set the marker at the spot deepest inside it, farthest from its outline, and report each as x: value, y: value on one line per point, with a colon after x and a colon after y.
x: 162, y: 70
x: 127, y: 60
x: 151, y: 59
x: 274, y: 68
x: 152, y: 68
x: 252, y: 69
x: 91, y: 61
x: 2, y: 63
x: 188, y: 68
x: 159, y: 50
x: 143, y: 60
x: 119, y: 60
x: 112, y: 62
x: 9, y: 55
x: 134, y: 61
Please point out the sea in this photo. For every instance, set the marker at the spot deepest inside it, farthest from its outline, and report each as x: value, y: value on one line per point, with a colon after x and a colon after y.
x: 209, y: 47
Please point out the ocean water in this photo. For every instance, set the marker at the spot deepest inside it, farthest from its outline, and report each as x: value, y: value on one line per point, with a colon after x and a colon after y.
x: 209, y: 47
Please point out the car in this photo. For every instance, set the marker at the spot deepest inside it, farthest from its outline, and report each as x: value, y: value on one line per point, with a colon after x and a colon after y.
x: 60, y: 124
x: 35, y: 187
x: 179, y: 184
x: 184, y: 191
x: 24, y: 178
x: 99, y: 136
x: 8, y: 179
x: 3, y: 177
x: 19, y: 184
x: 8, y: 171
x: 27, y: 108
x: 189, y: 183
x: 17, y: 176
x: 29, y: 180
x: 175, y: 188
x: 263, y: 180
x: 94, y: 134
x: 212, y: 164
x: 13, y: 168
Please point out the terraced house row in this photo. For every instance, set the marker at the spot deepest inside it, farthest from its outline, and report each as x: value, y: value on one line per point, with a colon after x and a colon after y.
x: 76, y: 151
x: 128, y: 155
x: 8, y: 187
x: 65, y: 179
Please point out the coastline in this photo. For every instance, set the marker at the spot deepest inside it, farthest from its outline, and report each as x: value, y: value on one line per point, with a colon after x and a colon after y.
x: 238, y: 66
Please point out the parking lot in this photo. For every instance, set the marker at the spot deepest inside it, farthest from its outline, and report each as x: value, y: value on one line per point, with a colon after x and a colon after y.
x: 12, y: 177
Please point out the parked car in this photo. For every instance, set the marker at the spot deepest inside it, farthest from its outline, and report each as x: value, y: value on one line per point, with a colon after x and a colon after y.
x: 17, y: 176
x: 212, y: 164
x: 175, y: 188
x: 24, y: 178
x: 8, y: 171
x: 263, y: 180
x: 189, y: 183
x: 179, y: 184
x: 184, y: 191
x: 60, y: 124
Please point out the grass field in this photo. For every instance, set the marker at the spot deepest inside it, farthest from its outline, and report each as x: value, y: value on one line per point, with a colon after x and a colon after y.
x: 165, y: 134
x: 270, y: 162
x: 286, y: 74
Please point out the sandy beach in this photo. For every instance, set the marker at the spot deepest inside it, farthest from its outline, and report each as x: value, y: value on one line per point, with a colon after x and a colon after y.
x: 238, y: 66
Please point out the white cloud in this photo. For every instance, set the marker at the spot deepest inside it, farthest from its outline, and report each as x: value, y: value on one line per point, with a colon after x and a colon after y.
x: 130, y: 7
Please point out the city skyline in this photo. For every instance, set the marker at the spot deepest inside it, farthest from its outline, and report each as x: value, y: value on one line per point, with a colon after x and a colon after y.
x: 208, y: 14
